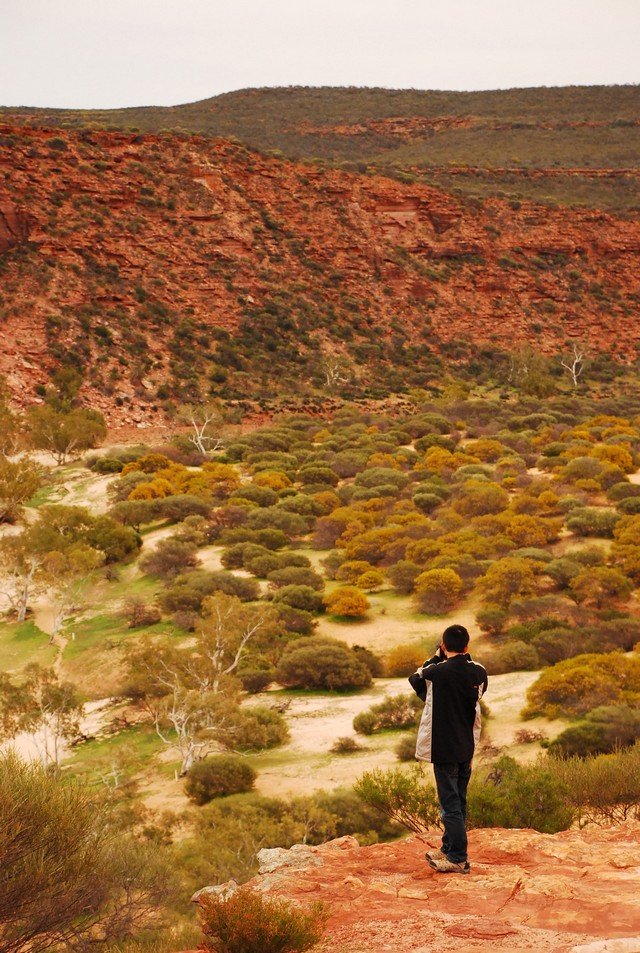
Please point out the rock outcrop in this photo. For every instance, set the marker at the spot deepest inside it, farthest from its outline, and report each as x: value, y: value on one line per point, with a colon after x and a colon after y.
x: 574, y: 892
x: 14, y: 226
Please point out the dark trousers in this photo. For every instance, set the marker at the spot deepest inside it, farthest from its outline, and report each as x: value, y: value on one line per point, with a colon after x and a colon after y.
x: 452, y: 781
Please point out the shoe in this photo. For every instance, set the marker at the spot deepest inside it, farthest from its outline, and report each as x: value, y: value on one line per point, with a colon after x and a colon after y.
x: 445, y: 866
x: 433, y: 856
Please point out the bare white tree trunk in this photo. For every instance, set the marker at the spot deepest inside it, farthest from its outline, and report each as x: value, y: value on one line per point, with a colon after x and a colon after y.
x: 203, y: 421
x: 575, y: 364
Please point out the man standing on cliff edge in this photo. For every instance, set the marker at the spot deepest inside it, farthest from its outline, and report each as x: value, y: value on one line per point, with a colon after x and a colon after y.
x: 451, y: 686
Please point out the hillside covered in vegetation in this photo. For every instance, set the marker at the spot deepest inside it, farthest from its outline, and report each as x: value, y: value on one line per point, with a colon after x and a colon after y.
x: 575, y: 145
x: 173, y: 268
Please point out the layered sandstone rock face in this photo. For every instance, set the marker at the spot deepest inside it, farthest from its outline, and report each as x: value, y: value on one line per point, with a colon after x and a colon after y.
x: 574, y: 892
x: 110, y: 241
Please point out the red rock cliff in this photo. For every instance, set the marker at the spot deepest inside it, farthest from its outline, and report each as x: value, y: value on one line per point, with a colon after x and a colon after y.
x: 130, y: 236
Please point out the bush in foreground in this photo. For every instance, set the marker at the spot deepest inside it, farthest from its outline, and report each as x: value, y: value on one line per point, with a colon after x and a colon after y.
x: 401, y: 796
x: 68, y: 877
x: 548, y: 796
x: 248, y: 922
x: 503, y: 795
x: 218, y: 776
x: 507, y: 794
x: 228, y: 832
x: 604, y: 789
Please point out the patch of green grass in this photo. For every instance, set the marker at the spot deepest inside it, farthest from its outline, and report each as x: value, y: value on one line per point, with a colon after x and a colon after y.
x: 134, y: 748
x: 283, y: 757
x: 95, y: 661
x: 51, y: 493
x: 349, y: 622
x: 149, y: 528
x: 107, y: 630
x: 22, y: 643
x: 132, y: 584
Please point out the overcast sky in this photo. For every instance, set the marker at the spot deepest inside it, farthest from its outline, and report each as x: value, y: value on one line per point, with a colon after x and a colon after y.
x: 103, y: 53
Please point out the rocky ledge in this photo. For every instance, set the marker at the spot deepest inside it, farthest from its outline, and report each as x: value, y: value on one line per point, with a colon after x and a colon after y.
x: 574, y: 892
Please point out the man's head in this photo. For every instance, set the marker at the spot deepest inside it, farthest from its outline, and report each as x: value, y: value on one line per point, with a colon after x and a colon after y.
x: 455, y: 638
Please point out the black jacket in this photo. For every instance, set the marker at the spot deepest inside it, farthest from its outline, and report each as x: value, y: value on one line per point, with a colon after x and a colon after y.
x: 450, y: 724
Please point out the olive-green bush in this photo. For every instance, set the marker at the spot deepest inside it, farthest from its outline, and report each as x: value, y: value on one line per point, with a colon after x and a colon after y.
x: 218, y: 776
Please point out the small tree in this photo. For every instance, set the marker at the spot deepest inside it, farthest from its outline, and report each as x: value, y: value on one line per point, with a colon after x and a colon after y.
x: 336, y: 372
x: 43, y: 705
x: 206, y: 421
x: 65, y: 574
x: 574, y: 363
x: 135, y: 513
x: 19, y: 480
x: 186, y: 719
x: 437, y: 590
x: 22, y: 575
x: 225, y: 632
x: 529, y: 372
x: 191, y: 694
x: 62, y: 433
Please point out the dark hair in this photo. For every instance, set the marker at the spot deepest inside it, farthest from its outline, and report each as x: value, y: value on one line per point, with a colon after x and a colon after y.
x: 455, y: 638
